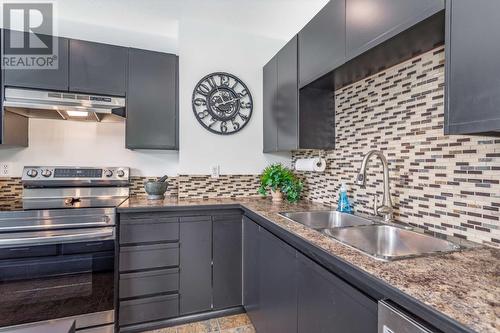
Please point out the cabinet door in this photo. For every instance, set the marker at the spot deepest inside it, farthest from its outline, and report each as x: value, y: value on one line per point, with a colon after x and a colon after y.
x: 152, y: 115
x: 473, y: 67
x: 278, y: 285
x: 270, y: 76
x: 97, y: 68
x: 251, y: 273
x: 322, y: 42
x: 227, y: 261
x: 370, y: 22
x: 326, y: 304
x: 48, y: 79
x: 287, y: 101
x: 195, y: 284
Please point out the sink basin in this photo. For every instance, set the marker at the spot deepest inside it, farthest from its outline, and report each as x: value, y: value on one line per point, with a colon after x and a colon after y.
x: 390, y: 243
x: 320, y: 220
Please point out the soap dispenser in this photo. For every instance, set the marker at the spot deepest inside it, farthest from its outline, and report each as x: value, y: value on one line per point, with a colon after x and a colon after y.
x: 343, y: 204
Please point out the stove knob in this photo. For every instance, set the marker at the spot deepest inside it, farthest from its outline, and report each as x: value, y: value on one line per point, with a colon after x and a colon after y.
x: 108, y: 173
x: 46, y: 173
x: 120, y: 173
x: 32, y: 173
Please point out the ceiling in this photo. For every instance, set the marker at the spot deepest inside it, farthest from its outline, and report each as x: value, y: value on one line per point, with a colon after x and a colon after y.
x: 274, y: 18
x: 154, y: 24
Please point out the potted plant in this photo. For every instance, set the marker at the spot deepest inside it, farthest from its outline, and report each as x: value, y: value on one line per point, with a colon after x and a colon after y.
x: 281, y: 182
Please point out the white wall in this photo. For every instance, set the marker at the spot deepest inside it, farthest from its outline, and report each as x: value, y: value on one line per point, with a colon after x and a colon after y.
x: 236, y: 36
x: 72, y: 143
x: 205, y: 48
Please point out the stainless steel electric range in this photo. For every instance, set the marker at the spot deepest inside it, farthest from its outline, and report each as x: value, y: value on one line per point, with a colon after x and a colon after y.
x: 57, y: 247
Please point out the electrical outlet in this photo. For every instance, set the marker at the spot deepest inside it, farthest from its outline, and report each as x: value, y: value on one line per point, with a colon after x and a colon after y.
x: 214, y: 171
x: 5, y: 169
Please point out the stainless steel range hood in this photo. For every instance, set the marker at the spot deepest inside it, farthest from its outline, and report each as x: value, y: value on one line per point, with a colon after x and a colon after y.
x: 63, y: 105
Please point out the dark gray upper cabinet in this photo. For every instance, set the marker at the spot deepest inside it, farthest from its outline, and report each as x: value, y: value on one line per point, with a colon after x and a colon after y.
x: 152, y: 103
x: 287, y: 102
x: 322, y: 43
x: 328, y: 304
x: 281, y: 100
x: 195, y: 281
x: 227, y: 265
x: 13, y: 127
x: 97, y: 68
x: 49, y: 79
x: 371, y: 22
x: 472, y: 67
x: 270, y: 76
x: 286, y: 125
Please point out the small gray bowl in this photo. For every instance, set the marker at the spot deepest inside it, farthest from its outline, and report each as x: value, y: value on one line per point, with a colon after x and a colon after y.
x: 155, y: 190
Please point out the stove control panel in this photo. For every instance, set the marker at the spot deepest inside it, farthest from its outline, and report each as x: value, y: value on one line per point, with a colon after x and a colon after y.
x: 71, y: 174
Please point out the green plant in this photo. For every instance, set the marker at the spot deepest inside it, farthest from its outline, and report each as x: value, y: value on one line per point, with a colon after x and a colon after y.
x: 278, y: 177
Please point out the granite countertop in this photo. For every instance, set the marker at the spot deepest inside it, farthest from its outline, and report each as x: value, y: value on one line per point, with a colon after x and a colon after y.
x: 464, y: 286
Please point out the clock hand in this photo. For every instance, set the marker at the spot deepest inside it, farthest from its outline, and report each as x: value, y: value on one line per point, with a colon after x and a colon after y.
x: 231, y: 100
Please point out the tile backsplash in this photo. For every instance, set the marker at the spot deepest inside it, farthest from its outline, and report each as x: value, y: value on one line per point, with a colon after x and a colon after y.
x: 446, y: 184
x: 10, y: 188
x: 183, y: 186
x: 191, y: 186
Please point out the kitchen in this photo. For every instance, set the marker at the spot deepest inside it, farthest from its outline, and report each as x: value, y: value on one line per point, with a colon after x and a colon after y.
x: 331, y: 166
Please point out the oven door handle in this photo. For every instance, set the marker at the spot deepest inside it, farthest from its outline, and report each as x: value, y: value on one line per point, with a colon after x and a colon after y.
x: 53, y: 237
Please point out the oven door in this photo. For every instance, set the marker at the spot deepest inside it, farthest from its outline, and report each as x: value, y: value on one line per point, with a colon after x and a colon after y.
x: 55, y: 274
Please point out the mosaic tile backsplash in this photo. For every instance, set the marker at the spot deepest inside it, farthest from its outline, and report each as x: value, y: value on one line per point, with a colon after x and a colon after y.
x: 10, y: 188
x: 226, y: 186
x: 446, y: 184
x: 184, y: 186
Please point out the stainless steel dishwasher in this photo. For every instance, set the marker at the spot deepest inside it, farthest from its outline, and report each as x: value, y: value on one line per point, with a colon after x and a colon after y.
x: 394, y: 320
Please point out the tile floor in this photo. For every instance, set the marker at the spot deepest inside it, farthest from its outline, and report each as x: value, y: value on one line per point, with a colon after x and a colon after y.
x: 231, y: 324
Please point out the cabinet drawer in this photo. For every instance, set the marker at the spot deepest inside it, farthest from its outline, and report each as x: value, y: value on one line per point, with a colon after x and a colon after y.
x: 149, y: 256
x: 149, y: 309
x: 149, y: 230
x: 149, y: 283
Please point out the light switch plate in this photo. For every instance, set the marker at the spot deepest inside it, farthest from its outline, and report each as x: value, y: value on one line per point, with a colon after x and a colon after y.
x: 214, y: 171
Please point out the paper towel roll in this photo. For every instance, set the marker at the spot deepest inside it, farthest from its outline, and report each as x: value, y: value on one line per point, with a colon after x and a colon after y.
x: 311, y: 164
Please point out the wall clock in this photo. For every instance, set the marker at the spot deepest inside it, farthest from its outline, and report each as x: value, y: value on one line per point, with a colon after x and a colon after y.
x: 222, y: 103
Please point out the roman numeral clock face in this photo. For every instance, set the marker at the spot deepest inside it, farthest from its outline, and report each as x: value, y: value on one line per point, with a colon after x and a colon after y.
x: 222, y: 103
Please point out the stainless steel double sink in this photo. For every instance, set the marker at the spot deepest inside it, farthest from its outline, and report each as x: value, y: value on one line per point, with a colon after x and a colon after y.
x: 378, y: 240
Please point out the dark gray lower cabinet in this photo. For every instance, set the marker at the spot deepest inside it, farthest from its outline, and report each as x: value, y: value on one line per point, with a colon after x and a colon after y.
x: 278, y: 281
x: 227, y: 270
x: 195, y: 284
x: 149, y: 309
x: 270, y: 292
x: 286, y: 292
x: 176, y: 264
x: 251, y: 281
x: 326, y: 304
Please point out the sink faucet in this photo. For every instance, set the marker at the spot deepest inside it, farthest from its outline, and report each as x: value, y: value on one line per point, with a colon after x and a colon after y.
x: 385, y: 210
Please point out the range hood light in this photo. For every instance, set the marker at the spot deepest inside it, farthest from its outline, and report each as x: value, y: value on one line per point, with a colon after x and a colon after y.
x: 77, y: 113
